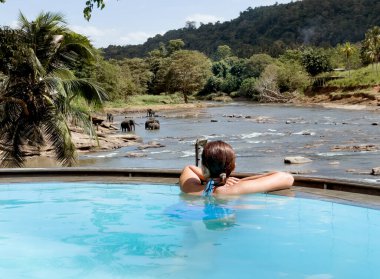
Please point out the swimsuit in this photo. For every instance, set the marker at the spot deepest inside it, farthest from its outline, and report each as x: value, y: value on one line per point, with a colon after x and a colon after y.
x: 210, y: 186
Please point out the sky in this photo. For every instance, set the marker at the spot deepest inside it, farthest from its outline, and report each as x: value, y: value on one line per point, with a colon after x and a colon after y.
x: 130, y: 22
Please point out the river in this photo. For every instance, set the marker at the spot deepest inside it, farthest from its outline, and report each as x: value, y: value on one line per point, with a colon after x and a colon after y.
x: 262, y: 136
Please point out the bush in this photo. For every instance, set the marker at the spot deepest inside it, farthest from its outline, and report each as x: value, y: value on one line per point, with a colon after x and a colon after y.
x: 291, y: 77
x: 315, y: 61
x: 248, y: 88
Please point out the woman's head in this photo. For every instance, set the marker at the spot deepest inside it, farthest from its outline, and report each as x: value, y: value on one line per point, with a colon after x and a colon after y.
x: 218, y: 157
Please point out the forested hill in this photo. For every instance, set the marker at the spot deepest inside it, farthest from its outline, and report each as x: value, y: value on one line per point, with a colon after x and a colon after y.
x: 271, y: 29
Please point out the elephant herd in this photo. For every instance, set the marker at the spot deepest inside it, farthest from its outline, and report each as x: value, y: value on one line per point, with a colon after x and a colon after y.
x: 128, y: 125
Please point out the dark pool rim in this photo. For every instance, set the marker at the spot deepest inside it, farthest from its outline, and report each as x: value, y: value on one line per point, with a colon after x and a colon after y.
x: 348, y: 191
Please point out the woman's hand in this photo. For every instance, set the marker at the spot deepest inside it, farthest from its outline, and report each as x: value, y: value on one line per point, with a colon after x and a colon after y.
x: 231, y: 181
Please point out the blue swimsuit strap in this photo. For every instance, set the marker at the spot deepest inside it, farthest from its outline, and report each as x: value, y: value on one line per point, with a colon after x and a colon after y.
x: 209, y: 188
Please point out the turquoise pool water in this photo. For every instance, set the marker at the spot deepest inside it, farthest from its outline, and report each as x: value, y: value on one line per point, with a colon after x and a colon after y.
x: 92, y: 230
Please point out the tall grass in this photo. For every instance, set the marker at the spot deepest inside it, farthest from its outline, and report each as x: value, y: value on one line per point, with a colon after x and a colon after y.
x: 366, y: 76
x: 146, y: 100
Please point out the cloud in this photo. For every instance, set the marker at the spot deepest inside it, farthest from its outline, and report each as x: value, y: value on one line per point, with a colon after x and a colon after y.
x: 91, y: 31
x: 134, y: 38
x: 105, y: 37
x: 14, y: 24
x: 204, y: 18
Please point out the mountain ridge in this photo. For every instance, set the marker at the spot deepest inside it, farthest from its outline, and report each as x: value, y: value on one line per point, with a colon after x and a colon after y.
x: 271, y: 29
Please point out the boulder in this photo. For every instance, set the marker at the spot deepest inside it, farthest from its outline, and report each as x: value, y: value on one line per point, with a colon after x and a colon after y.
x: 302, y: 171
x: 151, y: 144
x: 296, y: 160
x: 375, y: 171
x: 135, y: 155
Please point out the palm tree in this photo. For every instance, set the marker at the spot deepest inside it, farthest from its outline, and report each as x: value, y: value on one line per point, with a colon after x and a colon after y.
x: 347, y: 49
x: 371, y: 45
x: 39, y: 91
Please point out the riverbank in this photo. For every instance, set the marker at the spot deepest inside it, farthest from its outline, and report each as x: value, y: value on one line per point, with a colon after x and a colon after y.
x: 155, y: 107
x: 360, y: 99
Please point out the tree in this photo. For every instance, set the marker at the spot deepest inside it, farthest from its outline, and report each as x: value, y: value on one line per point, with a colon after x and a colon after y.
x: 315, y: 61
x: 174, y: 45
x: 267, y: 86
x: 371, y: 45
x: 190, y: 24
x: 88, y: 8
x: 292, y: 77
x: 347, y: 50
x: 256, y: 64
x: 248, y: 88
x: 222, y: 52
x: 140, y: 74
x: 188, y: 72
x: 40, y: 89
x: 220, y: 69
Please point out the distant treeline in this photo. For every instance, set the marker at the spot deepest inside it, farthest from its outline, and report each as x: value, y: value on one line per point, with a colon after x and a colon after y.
x: 271, y: 29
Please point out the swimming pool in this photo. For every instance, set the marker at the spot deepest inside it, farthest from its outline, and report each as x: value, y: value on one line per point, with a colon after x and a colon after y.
x: 98, y: 230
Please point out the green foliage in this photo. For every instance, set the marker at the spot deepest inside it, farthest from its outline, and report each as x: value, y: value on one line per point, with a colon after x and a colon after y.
x: 248, y: 88
x: 110, y: 76
x: 371, y: 46
x: 256, y: 64
x: 272, y: 29
x: 39, y: 92
x: 220, y: 69
x: 222, y: 52
x: 174, y: 45
x: 230, y: 84
x: 366, y: 76
x: 315, y: 61
x: 348, y: 51
x: 291, y: 55
x: 90, y: 6
x: 213, y: 84
x: 291, y: 76
x: 160, y: 76
x: 140, y: 74
x: 188, y: 72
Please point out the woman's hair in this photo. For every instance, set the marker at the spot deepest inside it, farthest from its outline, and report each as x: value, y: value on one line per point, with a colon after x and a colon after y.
x: 219, y: 158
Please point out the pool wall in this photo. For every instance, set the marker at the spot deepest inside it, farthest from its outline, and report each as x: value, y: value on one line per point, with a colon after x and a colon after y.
x: 328, y: 188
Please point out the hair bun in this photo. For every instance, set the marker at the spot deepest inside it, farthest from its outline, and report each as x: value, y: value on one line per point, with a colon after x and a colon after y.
x: 223, y: 177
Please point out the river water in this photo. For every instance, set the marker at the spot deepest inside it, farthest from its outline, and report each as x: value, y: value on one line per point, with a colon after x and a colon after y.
x: 262, y: 136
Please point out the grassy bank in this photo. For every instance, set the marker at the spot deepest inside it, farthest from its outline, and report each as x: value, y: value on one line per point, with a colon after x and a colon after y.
x: 146, y: 101
x: 140, y: 103
x: 363, y: 77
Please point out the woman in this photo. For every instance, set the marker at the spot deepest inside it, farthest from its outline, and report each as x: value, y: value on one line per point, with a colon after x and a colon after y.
x: 218, y: 162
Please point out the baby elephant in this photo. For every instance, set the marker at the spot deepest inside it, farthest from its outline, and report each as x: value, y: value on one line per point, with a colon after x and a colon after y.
x: 150, y: 113
x: 152, y: 124
x: 127, y: 125
x: 109, y: 117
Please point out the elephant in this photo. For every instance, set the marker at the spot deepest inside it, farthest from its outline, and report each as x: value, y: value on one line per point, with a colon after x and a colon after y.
x: 150, y: 113
x: 152, y: 124
x: 109, y: 117
x: 128, y: 125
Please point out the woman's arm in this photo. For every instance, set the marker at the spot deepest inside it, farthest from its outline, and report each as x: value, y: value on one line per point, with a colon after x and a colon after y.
x: 190, y: 180
x: 260, y: 183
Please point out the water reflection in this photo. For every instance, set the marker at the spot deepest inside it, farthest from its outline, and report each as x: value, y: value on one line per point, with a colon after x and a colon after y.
x: 215, y: 213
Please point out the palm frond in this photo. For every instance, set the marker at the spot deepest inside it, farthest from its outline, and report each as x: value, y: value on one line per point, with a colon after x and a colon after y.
x: 58, y: 135
x: 80, y: 116
x: 12, y: 141
x: 86, y: 89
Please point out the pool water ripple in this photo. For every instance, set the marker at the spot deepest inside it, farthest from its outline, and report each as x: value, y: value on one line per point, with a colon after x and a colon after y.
x: 96, y: 230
